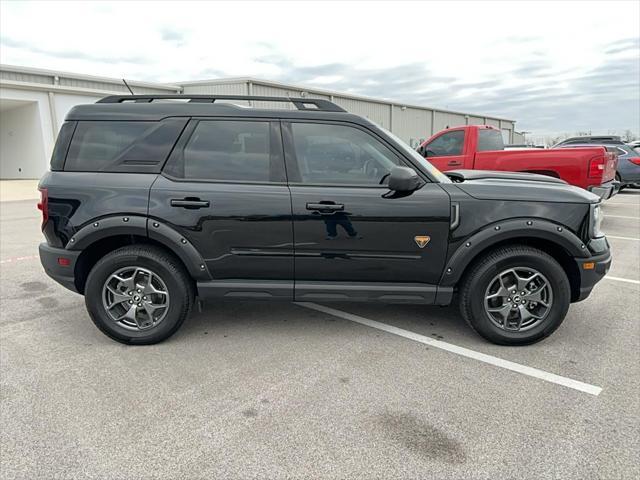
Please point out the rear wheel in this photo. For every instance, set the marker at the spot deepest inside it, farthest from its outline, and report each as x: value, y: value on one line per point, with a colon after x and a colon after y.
x: 138, y: 295
x: 515, y: 295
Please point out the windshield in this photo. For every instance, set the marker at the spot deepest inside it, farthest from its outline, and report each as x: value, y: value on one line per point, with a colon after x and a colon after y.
x: 437, y: 174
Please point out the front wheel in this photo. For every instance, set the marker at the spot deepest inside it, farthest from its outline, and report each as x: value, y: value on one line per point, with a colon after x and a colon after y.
x: 515, y: 295
x: 138, y: 295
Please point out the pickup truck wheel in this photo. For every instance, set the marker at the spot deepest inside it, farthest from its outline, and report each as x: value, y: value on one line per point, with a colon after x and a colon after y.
x: 138, y: 295
x: 515, y: 295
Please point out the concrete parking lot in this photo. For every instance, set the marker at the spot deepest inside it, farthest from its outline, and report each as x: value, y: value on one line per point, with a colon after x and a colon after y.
x: 291, y: 391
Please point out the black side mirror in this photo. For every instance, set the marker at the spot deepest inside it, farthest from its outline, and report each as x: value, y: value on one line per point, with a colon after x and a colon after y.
x: 421, y: 150
x: 403, y: 179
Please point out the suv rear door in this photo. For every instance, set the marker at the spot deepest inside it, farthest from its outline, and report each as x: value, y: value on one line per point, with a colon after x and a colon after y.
x: 224, y: 189
x: 351, y: 240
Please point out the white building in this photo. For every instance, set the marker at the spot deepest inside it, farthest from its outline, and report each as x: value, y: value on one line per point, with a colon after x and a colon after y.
x: 34, y: 103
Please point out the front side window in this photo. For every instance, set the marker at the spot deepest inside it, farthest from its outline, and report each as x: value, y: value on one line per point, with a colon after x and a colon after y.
x: 340, y: 155
x: 446, y: 145
x: 236, y: 151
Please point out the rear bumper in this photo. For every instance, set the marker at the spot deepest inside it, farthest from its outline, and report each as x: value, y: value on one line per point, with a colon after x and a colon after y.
x: 606, y: 190
x: 589, y: 277
x: 64, y: 275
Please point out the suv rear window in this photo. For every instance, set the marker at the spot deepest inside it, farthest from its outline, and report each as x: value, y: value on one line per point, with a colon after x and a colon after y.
x: 118, y: 146
x: 489, y: 140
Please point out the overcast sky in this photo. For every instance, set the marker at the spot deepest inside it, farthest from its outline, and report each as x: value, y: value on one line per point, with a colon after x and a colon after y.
x: 554, y: 67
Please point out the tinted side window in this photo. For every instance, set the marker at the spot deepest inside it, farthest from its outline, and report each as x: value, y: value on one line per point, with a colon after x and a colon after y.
x: 62, y: 145
x: 489, y: 139
x: 237, y: 151
x: 340, y: 155
x: 446, y: 145
x: 117, y: 146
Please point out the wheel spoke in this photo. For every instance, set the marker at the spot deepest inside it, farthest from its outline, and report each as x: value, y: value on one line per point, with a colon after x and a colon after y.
x: 502, y: 311
x: 117, y: 299
x: 522, y: 282
x: 537, y: 296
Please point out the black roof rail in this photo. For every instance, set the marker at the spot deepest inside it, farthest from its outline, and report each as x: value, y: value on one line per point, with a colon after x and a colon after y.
x: 314, y: 104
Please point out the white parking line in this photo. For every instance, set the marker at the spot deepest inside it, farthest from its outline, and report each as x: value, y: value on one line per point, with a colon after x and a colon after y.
x: 606, y: 215
x: 615, y: 237
x: 618, y: 279
x: 465, y: 352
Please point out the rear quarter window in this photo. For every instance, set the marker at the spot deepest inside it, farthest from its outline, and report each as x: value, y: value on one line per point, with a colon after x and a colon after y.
x: 122, y: 146
x: 489, y: 139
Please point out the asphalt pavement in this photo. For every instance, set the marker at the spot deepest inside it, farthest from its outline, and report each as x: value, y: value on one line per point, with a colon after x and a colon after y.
x: 248, y: 390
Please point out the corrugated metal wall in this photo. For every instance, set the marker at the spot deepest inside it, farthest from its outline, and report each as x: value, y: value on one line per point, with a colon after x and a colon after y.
x: 447, y: 120
x: 413, y: 125
x: 71, y: 81
x: 25, y: 77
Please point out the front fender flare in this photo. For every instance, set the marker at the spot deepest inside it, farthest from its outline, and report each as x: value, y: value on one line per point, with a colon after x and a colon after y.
x: 510, y: 229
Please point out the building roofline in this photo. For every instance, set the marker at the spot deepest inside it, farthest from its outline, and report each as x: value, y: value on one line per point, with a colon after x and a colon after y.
x: 81, y: 76
x: 335, y: 93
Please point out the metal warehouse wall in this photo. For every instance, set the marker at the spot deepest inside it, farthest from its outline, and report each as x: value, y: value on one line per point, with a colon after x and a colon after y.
x: 411, y: 123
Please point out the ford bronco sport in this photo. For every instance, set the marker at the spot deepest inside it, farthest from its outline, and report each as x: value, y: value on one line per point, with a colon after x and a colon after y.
x: 152, y: 203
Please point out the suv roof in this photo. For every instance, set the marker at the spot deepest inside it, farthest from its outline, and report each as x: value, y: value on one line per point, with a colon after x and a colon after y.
x: 157, y: 107
x: 608, y: 139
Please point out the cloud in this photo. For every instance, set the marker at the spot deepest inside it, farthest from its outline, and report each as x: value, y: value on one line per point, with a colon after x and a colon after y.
x: 552, y: 73
x: 174, y: 36
x: 70, y: 53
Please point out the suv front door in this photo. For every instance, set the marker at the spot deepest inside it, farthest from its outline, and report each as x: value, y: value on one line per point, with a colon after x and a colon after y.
x: 224, y: 189
x: 351, y: 240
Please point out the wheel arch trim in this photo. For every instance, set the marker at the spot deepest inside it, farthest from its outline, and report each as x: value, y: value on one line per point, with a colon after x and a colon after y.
x: 119, y: 225
x: 499, y: 232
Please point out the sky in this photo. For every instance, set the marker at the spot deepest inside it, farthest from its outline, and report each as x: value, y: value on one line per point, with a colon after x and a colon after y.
x: 554, y: 67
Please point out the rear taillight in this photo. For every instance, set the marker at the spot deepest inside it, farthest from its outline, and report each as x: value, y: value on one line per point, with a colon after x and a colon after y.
x: 43, y: 205
x: 596, y: 167
x: 635, y: 160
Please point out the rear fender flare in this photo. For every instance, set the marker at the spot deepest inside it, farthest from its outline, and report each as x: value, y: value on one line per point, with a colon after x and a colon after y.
x: 511, y: 229
x: 143, y: 227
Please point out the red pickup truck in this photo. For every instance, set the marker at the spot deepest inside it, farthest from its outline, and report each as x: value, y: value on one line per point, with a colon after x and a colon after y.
x: 480, y: 147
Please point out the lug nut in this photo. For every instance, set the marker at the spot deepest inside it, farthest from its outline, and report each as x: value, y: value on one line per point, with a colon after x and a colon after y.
x: 509, y: 299
x: 130, y: 293
x: 523, y: 302
x: 144, y: 298
x: 139, y: 304
x: 130, y: 301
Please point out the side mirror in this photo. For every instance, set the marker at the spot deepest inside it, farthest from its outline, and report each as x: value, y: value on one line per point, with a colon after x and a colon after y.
x: 421, y: 150
x: 403, y: 179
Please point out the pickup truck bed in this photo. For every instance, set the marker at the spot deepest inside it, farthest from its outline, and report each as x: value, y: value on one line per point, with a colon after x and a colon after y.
x: 480, y: 147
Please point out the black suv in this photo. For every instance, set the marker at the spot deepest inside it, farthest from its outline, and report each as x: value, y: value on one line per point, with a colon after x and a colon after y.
x: 153, y: 202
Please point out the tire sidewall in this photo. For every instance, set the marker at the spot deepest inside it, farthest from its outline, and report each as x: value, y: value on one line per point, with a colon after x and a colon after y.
x: 561, y: 298
x: 93, y: 299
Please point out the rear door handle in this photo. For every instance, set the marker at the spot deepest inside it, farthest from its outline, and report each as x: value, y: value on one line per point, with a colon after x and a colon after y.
x: 454, y: 163
x: 325, y: 207
x: 189, y: 202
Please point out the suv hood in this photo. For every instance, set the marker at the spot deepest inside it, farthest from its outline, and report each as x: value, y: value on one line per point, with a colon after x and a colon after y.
x: 528, y: 187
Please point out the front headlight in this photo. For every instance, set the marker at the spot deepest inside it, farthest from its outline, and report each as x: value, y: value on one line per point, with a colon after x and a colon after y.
x: 595, y: 221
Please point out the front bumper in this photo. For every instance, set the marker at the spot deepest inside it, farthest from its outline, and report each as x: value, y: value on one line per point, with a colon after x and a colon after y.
x: 590, y: 276
x: 64, y: 275
x: 606, y: 190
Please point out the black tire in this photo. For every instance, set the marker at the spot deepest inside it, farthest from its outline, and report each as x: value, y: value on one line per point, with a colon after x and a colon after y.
x: 178, y: 284
x: 619, y: 180
x: 477, y: 280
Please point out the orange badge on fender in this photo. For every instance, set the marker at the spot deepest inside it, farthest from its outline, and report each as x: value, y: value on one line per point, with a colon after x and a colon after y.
x: 422, y: 240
